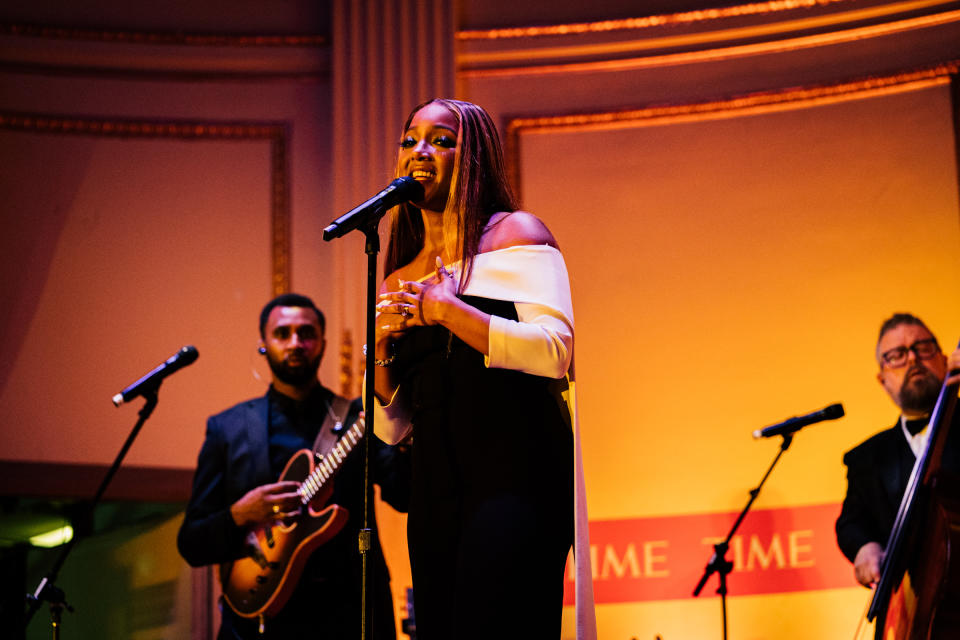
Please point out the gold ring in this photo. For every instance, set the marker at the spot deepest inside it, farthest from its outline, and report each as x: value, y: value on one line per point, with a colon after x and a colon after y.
x: 276, y: 508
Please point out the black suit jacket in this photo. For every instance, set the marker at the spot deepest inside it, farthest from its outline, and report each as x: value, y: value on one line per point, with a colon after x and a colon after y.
x: 878, y: 471
x: 233, y: 460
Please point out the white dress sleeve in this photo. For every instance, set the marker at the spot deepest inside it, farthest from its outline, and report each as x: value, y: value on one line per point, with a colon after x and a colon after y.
x: 534, y: 278
x: 540, y: 342
x: 391, y: 422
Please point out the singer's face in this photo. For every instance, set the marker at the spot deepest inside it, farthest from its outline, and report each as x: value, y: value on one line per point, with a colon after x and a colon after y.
x: 428, y: 152
x: 294, y: 342
x: 915, y: 385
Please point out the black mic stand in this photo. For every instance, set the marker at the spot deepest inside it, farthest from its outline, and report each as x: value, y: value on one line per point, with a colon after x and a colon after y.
x: 371, y: 248
x: 369, y: 227
x: 718, y: 561
x: 47, y: 591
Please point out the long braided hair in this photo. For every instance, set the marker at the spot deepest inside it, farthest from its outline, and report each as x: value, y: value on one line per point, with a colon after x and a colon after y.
x: 478, y: 189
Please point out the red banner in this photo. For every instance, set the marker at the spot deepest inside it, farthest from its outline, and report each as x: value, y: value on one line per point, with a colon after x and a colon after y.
x: 773, y: 551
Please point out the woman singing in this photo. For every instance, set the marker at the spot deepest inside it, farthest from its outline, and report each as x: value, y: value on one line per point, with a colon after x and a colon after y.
x: 474, y: 340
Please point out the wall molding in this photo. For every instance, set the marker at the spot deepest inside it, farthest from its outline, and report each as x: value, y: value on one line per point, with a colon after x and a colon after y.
x: 163, y: 37
x: 595, y: 51
x: 701, y: 16
x: 276, y: 134
x: 72, y: 480
x: 54, y: 50
x: 733, y: 106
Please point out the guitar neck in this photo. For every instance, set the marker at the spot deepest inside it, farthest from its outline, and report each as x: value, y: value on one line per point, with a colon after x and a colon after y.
x: 330, y: 462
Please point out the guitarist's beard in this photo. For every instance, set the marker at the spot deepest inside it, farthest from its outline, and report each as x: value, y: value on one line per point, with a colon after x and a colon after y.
x: 297, y: 375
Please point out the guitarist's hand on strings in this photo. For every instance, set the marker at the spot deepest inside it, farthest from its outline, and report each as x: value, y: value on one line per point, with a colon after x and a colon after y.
x: 267, y: 504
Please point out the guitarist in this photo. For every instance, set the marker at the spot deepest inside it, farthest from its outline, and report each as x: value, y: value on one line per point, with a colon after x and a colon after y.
x: 912, y: 370
x: 236, y: 487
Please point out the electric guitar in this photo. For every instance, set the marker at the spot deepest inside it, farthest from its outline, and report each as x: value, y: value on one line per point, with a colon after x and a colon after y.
x: 259, y: 584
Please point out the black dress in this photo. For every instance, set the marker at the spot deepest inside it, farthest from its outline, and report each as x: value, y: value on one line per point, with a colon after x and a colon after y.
x: 491, y: 511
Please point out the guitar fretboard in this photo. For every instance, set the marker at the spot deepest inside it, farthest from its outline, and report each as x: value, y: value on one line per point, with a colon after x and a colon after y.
x: 329, y: 464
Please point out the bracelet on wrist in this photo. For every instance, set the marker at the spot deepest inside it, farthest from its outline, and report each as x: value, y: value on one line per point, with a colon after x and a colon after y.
x: 386, y: 362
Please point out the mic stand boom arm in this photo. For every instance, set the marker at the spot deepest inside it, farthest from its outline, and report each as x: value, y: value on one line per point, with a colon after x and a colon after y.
x: 718, y: 561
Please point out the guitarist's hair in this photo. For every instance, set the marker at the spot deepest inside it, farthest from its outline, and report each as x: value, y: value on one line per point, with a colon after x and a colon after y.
x: 290, y: 300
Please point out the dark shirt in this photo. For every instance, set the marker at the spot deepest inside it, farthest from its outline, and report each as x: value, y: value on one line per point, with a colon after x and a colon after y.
x: 294, y: 425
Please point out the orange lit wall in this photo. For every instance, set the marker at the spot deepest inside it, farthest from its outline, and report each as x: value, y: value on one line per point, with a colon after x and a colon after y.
x: 730, y: 263
x: 120, y: 249
x: 728, y: 273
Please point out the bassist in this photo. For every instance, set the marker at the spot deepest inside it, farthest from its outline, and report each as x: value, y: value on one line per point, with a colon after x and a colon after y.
x: 236, y: 488
x: 913, y: 369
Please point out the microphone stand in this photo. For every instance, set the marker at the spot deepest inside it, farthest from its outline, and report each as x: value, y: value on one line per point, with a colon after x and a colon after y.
x: 47, y: 590
x: 718, y: 561
x: 369, y: 227
x: 371, y: 248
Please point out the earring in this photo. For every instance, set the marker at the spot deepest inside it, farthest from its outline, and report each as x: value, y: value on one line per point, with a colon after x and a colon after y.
x: 262, y: 351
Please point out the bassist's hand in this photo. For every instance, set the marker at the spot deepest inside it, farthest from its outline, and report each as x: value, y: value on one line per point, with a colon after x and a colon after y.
x: 267, y: 504
x: 953, y: 368
x: 866, y: 566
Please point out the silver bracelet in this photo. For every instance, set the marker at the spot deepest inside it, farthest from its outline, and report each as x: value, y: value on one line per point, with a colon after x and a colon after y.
x: 381, y: 363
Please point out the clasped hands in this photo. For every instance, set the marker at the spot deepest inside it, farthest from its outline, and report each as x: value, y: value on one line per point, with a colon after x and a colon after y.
x: 415, y: 304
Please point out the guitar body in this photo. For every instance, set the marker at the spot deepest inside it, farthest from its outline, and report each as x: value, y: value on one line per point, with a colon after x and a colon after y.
x: 261, y: 583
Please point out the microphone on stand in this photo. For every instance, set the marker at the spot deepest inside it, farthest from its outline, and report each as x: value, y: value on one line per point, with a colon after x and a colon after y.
x: 397, y: 192
x: 787, y: 427
x: 186, y: 355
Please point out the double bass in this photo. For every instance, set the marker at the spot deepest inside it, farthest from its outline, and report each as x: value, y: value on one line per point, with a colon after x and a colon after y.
x: 918, y: 595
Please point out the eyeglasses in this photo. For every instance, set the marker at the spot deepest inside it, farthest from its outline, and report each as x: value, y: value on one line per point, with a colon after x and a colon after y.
x: 924, y: 349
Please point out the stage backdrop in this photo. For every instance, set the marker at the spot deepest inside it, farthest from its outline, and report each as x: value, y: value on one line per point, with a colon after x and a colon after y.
x: 729, y: 271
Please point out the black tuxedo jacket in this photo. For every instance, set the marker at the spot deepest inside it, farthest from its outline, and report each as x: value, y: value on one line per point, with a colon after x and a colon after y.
x: 878, y: 471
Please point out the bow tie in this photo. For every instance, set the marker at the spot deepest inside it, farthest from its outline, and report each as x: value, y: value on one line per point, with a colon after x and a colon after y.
x: 916, y: 426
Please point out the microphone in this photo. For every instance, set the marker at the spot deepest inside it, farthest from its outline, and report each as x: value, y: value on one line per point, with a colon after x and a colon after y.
x: 397, y: 192
x: 787, y: 427
x: 186, y: 355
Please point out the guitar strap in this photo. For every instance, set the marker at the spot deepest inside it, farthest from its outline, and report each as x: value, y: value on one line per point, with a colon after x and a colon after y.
x: 328, y: 435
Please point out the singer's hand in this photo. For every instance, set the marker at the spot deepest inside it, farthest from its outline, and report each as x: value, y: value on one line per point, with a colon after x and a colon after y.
x: 267, y: 504
x: 440, y: 294
x: 432, y: 301
x: 953, y: 367
x: 866, y: 566
x: 416, y: 303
